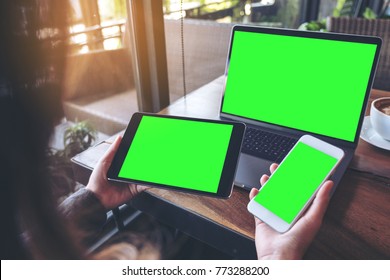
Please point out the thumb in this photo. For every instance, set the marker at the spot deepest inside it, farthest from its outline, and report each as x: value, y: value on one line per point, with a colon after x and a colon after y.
x: 110, y: 153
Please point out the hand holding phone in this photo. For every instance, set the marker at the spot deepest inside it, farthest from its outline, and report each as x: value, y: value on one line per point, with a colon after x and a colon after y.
x: 292, y: 187
x: 292, y: 244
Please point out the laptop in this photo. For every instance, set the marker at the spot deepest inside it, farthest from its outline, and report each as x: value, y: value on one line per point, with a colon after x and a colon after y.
x: 286, y: 83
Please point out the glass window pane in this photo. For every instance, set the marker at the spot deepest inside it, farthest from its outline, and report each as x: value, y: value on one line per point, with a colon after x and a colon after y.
x: 327, y: 8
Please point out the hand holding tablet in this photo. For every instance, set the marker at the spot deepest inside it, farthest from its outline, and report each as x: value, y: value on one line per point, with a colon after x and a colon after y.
x: 187, y: 154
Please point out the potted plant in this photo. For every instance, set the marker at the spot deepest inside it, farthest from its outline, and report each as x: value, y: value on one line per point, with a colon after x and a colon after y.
x: 77, y: 138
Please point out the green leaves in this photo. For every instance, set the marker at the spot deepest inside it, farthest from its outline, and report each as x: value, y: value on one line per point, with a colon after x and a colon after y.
x: 78, y: 138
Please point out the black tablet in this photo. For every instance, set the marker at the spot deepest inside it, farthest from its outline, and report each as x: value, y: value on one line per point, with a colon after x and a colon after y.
x: 180, y: 153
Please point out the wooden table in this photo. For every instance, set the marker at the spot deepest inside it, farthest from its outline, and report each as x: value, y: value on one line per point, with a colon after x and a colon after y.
x: 356, y: 225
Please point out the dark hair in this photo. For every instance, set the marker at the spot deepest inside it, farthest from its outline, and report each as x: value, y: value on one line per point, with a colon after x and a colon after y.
x: 32, y: 54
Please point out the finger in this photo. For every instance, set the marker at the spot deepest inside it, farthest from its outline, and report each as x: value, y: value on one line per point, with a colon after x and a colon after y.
x: 142, y: 188
x: 273, y: 167
x: 253, y: 193
x: 110, y: 153
x: 317, y: 210
x: 264, y: 179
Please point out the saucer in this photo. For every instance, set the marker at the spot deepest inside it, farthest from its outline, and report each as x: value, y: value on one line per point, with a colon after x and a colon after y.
x: 369, y: 135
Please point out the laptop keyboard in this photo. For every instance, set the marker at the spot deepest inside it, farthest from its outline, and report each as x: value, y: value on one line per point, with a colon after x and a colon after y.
x: 267, y: 145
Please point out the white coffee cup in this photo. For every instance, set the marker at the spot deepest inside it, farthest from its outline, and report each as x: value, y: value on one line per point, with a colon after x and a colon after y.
x: 380, y: 117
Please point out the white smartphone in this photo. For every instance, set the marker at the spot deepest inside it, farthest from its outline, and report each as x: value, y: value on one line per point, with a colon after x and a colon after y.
x: 294, y: 184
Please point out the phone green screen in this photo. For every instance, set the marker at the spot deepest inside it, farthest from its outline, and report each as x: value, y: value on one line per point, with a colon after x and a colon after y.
x: 180, y: 153
x: 303, y: 83
x: 295, y: 181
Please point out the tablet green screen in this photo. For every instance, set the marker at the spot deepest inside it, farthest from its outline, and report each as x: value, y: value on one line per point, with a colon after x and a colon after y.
x: 295, y: 181
x: 181, y: 153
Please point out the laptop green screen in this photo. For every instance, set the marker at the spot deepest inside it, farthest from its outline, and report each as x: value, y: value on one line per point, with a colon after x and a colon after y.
x: 313, y: 85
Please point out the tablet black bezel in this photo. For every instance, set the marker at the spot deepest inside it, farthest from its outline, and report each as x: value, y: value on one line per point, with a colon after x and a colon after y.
x: 225, y: 185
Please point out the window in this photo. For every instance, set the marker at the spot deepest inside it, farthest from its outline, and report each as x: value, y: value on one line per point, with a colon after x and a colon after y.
x: 96, y: 25
x: 99, y: 81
